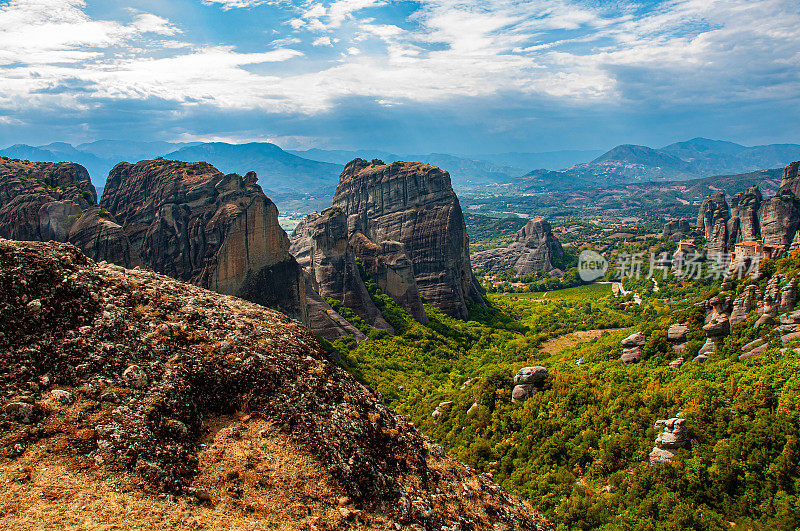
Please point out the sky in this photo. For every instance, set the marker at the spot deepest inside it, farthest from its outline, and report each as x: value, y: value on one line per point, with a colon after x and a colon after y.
x: 423, y: 76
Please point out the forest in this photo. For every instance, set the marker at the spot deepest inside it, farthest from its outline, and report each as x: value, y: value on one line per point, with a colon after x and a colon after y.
x: 577, y: 451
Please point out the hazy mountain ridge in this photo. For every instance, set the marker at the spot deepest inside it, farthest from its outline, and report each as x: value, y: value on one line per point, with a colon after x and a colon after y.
x: 629, y: 164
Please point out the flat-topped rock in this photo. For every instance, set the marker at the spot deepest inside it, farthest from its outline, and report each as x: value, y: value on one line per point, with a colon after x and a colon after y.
x: 534, y: 249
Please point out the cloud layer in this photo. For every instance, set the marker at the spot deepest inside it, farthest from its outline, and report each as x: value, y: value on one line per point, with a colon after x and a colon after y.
x: 305, y: 60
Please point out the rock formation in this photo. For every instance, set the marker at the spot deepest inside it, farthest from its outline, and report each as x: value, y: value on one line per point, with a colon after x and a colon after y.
x: 321, y: 243
x: 388, y: 264
x: 527, y: 382
x: 743, y: 304
x: 779, y: 217
x: 534, y: 249
x: 791, y: 179
x: 442, y: 411
x: 744, y: 224
x: 712, y: 222
x: 162, y: 386
x: 414, y: 204
x: 632, y: 347
x: 42, y: 201
x: 193, y: 223
x: 324, y: 320
x: 676, y: 230
x: 677, y: 336
x: 672, y: 437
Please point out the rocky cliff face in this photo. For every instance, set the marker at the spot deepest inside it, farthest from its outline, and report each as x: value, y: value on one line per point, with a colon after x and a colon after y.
x: 676, y: 230
x: 744, y: 224
x: 193, y: 223
x: 712, y: 221
x: 321, y: 242
x: 122, y: 384
x: 414, y: 204
x: 779, y: 217
x: 43, y: 201
x: 534, y: 249
x: 388, y: 263
x: 791, y: 179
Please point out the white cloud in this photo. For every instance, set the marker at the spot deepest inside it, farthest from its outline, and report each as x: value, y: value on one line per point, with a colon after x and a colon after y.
x: 322, y: 41
x: 236, y: 4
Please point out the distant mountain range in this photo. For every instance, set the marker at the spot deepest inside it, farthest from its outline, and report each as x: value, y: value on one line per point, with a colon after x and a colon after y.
x: 301, y: 181
x: 628, y: 164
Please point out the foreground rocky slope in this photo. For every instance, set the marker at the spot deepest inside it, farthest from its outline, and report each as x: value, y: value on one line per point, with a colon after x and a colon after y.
x: 43, y: 201
x: 414, y: 204
x: 193, y: 223
x: 120, y: 383
x: 535, y: 247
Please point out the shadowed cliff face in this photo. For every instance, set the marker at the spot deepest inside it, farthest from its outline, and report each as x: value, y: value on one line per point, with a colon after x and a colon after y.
x: 414, y: 204
x: 193, y: 223
x: 321, y: 246
x: 43, y: 201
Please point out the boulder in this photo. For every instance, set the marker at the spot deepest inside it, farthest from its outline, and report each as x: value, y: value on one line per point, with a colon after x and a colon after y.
x: 535, y: 247
x: 677, y: 333
x: 676, y: 364
x: 672, y: 437
x: 195, y: 224
x: 632, y: 347
x: 535, y: 376
x: 414, y: 204
x: 442, y: 411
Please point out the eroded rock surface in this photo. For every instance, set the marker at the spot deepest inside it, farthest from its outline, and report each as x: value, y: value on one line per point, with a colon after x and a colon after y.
x: 149, y: 363
x: 632, y: 347
x: 712, y: 222
x: 672, y: 437
x: 534, y: 249
x: 527, y: 382
x: 43, y: 201
x: 414, y: 204
x: 744, y: 224
x: 193, y: 223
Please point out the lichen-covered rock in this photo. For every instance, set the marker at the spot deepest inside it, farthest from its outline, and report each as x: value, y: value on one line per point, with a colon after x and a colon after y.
x: 387, y: 262
x: 331, y: 264
x: 712, y: 222
x: 534, y: 249
x: 672, y: 437
x: 220, y: 367
x: 193, y: 223
x: 414, y: 204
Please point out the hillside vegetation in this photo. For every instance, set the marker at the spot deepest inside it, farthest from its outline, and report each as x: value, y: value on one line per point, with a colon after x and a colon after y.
x: 578, y: 450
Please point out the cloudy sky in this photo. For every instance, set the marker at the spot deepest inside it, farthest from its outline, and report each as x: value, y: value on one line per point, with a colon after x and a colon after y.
x: 429, y: 75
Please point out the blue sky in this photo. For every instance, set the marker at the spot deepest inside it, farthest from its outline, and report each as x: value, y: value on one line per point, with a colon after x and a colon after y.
x: 430, y: 75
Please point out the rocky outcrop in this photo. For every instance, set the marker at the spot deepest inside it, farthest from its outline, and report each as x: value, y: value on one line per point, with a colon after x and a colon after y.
x: 331, y: 264
x: 42, y: 201
x: 193, y: 223
x: 791, y: 179
x: 677, y: 336
x: 388, y: 264
x: 442, y: 411
x: 743, y: 304
x: 534, y: 249
x: 779, y: 217
x: 632, y: 347
x: 676, y: 229
x: 712, y: 222
x: 173, y: 389
x: 672, y: 436
x: 324, y: 320
x: 527, y: 382
x: 414, y: 204
x: 744, y: 224
x: 788, y: 296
